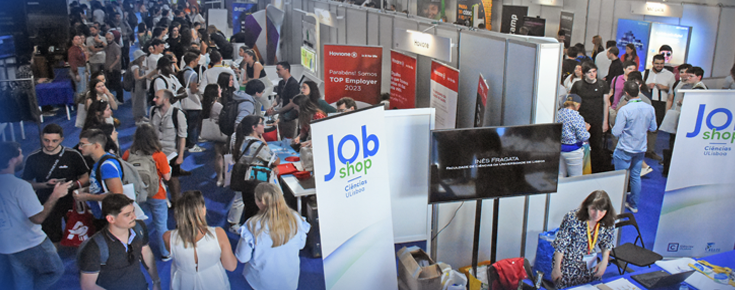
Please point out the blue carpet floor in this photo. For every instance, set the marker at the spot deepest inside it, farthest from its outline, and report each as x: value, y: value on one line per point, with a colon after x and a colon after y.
x: 218, y: 201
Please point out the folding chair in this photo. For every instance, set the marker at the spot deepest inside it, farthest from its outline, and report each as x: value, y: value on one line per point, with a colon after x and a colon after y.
x: 629, y: 253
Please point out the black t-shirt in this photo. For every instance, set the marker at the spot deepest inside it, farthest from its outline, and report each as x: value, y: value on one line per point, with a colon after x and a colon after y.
x: 616, y: 69
x: 117, y: 273
x: 38, y: 164
x: 593, y: 105
x: 567, y: 67
x: 288, y: 89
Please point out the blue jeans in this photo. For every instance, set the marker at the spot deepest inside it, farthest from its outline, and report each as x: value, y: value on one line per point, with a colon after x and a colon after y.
x: 157, y: 209
x: 82, y: 83
x: 192, y: 123
x: 36, y: 268
x: 632, y: 162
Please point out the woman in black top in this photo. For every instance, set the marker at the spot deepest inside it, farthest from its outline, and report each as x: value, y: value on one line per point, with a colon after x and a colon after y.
x: 252, y: 66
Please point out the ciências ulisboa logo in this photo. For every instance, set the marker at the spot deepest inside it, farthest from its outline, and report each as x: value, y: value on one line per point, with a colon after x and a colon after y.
x: 718, y: 132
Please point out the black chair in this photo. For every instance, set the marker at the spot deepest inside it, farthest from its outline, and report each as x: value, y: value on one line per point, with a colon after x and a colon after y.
x: 629, y: 253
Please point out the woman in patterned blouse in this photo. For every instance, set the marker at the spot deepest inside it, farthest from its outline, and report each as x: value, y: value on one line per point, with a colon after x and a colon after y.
x: 584, y: 233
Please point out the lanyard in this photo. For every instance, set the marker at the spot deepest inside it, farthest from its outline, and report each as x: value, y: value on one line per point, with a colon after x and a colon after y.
x: 591, y: 243
x: 634, y: 101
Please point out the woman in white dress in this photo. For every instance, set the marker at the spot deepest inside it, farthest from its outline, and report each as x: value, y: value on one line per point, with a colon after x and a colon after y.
x: 200, y: 253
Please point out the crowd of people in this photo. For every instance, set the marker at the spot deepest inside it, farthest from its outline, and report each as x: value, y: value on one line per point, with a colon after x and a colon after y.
x: 612, y: 113
x: 186, y: 86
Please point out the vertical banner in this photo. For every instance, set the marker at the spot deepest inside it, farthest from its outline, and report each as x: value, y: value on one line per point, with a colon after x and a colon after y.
x: 444, y: 89
x: 274, y: 20
x: 637, y: 33
x: 566, y: 23
x: 672, y: 35
x: 533, y: 26
x: 697, y: 215
x: 402, y: 81
x: 352, y: 71
x: 512, y: 18
x: 351, y: 169
x: 240, y: 12
x: 481, y: 103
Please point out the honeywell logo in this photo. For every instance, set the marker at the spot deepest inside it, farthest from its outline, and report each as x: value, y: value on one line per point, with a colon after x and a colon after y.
x: 347, y: 54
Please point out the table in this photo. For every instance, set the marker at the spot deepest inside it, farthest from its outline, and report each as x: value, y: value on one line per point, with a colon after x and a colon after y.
x: 726, y: 259
x: 283, y: 150
x: 58, y: 92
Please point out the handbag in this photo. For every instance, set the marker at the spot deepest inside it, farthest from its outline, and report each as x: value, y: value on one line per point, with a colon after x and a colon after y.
x: 670, y: 122
x: 210, y: 131
x: 79, y: 226
x: 243, y: 178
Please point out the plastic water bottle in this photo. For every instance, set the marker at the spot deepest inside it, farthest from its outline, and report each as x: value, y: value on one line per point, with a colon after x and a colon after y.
x: 683, y: 286
x: 455, y: 287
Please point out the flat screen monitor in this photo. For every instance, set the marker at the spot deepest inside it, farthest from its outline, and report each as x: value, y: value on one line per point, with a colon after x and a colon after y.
x: 492, y: 162
x: 675, y: 36
x: 7, y: 46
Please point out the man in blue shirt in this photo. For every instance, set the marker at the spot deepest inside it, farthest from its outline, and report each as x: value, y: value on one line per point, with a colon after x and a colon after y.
x: 632, y: 124
x: 92, y: 143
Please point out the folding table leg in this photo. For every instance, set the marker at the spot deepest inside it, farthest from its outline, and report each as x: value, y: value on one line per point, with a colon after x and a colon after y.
x: 68, y: 115
x: 22, y: 131
x: 12, y: 132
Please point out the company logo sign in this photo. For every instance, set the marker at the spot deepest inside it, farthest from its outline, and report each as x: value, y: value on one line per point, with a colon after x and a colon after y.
x: 350, y: 166
x: 345, y: 54
x: 710, y: 248
x: 675, y: 247
x: 718, y: 132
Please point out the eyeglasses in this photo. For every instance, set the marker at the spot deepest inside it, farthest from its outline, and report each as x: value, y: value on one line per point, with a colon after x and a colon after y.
x: 84, y: 144
x: 666, y: 53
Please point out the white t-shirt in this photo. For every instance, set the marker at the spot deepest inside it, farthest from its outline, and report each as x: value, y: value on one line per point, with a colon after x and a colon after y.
x: 603, y: 64
x: 173, y: 86
x: 664, y: 77
x: 18, y: 203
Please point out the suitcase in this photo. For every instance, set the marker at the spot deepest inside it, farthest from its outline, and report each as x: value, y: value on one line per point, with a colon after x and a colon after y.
x: 313, y: 239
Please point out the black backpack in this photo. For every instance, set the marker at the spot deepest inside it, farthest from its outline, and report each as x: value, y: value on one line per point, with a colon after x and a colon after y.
x: 151, y: 89
x: 174, y: 117
x: 99, y: 239
x: 228, y: 115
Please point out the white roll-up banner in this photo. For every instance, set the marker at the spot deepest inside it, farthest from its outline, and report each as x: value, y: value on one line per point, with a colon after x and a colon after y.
x: 697, y: 214
x: 351, y: 170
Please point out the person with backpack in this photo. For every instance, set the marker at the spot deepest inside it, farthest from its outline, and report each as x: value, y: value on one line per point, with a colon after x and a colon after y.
x: 170, y: 125
x: 211, y: 109
x: 105, y: 177
x: 167, y: 80
x: 139, y: 78
x: 250, y: 149
x: 146, y: 156
x: 192, y: 104
x: 237, y: 104
x: 111, y: 258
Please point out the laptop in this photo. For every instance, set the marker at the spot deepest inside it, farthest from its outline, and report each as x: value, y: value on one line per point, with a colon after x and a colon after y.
x: 661, y: 279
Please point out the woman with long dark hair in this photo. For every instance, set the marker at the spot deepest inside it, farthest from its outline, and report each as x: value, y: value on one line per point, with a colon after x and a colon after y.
x: 146, y: 145
x: 310, y: 89
x: 211, y: 108
x: 97, y: 114
x: 227, y: 84
x: 631, y: 54
x: 308, y: 111
x: 247, y: 138
x: 200, y: 253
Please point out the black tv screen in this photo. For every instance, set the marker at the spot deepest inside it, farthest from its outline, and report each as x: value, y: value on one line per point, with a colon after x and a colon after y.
x: 494, y: 162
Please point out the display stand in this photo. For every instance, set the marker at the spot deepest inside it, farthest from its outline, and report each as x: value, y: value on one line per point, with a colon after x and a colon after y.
x: 476, y: 240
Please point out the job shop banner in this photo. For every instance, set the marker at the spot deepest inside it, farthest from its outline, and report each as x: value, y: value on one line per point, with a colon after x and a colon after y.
x: 481, y: 102
x: 444, y: 90
x: 352, y: 71
x: 351, y: 169
x: 697, y: 215
x: 402, y: 81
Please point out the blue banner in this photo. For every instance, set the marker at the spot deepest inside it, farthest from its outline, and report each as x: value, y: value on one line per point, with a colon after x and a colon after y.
x: 240, y: 11
x: 637, y: 33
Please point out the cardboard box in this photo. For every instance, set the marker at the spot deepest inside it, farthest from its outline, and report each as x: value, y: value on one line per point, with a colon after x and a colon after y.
x: 416, y: 270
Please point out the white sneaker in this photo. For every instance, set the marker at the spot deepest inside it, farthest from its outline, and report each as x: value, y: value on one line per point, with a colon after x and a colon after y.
x: 646, y: 170
x: 196, y: 149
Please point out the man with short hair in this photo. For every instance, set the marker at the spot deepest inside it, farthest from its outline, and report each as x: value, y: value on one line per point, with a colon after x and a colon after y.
x: 674, y: 103
x: 631, y: 124
x: 346, y: 104
x: 660, y: 82
x: 151, y: 62
x: 569, y: 63
x: 192, y: 104
x: 172, y: 135
x: 602, y: 61
x: 595, y: 109
x: 106, y: 174
x: 695, y: 75
x: 287, y: 88
x: 125, y: 244
x: 25, y: 251
x: 53, y: 164
x: 616, y: 66
x: 96, y: 46
x: 211, y: 75
x: 113, y: 67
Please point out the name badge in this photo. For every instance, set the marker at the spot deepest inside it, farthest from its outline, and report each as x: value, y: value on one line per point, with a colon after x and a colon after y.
x: 590, y: 260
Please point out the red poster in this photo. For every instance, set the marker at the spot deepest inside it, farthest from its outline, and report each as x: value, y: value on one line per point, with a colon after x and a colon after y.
x: 402, y: 81
x: 481, y: 102
x: 352, y: 71
x: 444, y: 90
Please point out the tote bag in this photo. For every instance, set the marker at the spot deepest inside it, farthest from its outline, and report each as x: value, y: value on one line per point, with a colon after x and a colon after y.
x: 210, y: 131
x: 79, y: 226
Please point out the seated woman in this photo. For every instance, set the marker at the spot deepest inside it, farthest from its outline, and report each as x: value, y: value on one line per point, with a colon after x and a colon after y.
x: 200, y: 253
x: 270, y: 241
x: 310, y: 89
x: 584, y: 233
x: 308, y: 111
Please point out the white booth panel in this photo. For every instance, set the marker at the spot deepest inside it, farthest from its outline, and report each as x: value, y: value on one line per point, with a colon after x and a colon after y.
x: 492, y: 68
x: 510, y: 227
x: 373, y: 28
x: 452, y: 33
x: 341, y: 23
x: 454, y: 243
x: 703, y: 20
x: 356, y: 26
x: 409, y: 136
x: 552, y: 15
x: 725, y: 42
x: 520, y: 74
x: 536, y: 206
x: 549, y: 60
